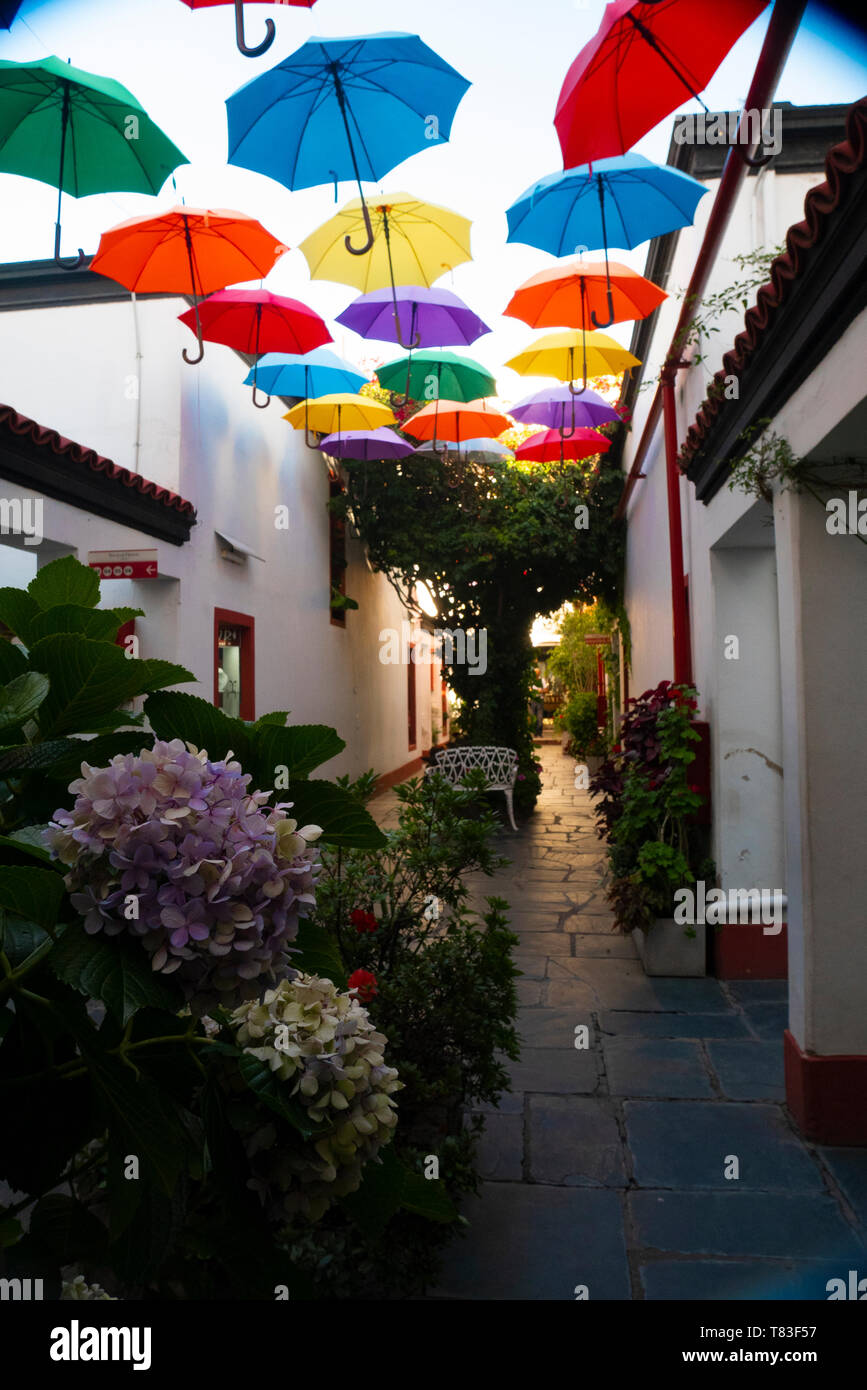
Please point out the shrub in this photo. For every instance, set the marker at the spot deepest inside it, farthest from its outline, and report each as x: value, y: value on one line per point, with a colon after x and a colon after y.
x: 578, y: 719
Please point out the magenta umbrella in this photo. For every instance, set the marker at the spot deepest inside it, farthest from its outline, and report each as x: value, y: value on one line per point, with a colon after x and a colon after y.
x: 434, y: 318
x: 381, y: 443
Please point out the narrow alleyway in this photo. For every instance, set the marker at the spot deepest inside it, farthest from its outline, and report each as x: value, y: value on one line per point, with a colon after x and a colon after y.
x: 606, y: 1165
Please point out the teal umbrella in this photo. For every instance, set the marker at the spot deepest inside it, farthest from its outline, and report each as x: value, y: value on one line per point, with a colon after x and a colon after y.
x: 432, y: 375
x: 79, y: 132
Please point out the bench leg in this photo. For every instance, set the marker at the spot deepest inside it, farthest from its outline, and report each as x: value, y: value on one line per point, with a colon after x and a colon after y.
x: 510, y: 809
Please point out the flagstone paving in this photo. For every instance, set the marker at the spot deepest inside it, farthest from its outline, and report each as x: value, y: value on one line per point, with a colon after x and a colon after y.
x: 606, y: 1166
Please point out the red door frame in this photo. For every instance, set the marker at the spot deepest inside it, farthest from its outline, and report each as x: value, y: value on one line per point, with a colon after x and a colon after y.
x: 247, y: 624
x: 411, y: 699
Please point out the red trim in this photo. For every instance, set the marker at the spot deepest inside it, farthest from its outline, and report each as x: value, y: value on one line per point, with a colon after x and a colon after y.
x: 680, y: 624
x: 400, y: 774
x: 741, y: 951
x: 412, y: 721
x: 826, y: 1095
x: 248, y: 658
x: 45, y: 438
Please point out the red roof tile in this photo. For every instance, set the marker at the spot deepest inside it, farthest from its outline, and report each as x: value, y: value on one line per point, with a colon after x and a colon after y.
x: 842, y: 161
x: 46, y: 438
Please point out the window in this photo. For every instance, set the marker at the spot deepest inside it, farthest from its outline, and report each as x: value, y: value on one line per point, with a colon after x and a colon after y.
x: 234, y: 664
x: 337, y: 551
x: 410, y: 697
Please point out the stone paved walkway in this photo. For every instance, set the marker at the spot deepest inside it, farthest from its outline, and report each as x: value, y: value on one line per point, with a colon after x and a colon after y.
x: 605, y: 1167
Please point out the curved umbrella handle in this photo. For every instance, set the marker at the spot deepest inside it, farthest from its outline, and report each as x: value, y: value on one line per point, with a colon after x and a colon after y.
x: 74, y: 264
x: 361, y: 250
x: 260, y: 405
x: 608, y: 322
x: 193, y: 360
x: 270, y: 31
x: 753, y: 161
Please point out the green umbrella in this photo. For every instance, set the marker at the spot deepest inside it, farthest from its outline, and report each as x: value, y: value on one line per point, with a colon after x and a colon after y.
x: 79, y: 132
x: 432, y: 375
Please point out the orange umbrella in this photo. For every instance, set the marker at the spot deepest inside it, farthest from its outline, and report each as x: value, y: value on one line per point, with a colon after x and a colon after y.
x: 190, y: 251
x: 454, y: 419
x: 569, y: 296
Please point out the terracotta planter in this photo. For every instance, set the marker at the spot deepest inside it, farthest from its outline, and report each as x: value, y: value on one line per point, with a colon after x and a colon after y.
x: 667, y: 950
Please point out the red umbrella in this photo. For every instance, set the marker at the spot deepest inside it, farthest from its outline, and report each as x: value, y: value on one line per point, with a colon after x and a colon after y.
x: 548, y: 445
x: 239, y: 20
x: 256, y: 321
x: 646, y: 58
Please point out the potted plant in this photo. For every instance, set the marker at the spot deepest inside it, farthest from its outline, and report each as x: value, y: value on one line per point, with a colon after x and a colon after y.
x: 581, y: 736
x: 648, y: 811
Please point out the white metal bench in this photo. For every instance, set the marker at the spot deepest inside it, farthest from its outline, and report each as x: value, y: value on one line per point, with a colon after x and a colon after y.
x: 500, y: 766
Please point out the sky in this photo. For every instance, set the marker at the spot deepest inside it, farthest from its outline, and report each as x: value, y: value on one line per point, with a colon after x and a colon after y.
x: 182, y: 64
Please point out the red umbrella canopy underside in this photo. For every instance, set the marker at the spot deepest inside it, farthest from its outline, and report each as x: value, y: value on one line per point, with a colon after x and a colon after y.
x: 257, y: 321
x: 548, y: 445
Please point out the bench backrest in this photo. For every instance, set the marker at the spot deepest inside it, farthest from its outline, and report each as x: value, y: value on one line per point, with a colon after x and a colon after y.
x: 500, y: 765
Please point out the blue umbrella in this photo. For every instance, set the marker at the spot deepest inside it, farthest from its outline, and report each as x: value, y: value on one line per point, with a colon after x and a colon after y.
x: 344, y: 108
x: 613, y: 202
x: 317, y: 373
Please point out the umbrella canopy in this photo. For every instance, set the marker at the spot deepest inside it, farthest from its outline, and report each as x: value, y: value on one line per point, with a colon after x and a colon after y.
x: 620, y: 202
x: 349, y: 108
x: 558, y: 409
x: 575, y: 296
x: 317, y: 373
x: 645, y: 60
x: 563, y: 355
x: 550, y: 445
x: 472, y: 419
x: 187, y: 250
x: 413, y: 244
x: 332, y: 414
x: 270, y: 29
x: 436, y: 317
x: 255, y: 320
x: 381, y: 443
x: 476, y: 450
x: 433, y: 373
x: 8, y: 11
x: 80, y: 133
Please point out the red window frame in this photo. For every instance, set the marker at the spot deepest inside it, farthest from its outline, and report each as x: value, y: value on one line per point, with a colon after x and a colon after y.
x: 247, y: 625
x: 412, y: 728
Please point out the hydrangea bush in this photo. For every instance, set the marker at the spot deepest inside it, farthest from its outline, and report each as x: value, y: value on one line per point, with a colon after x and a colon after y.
x: 175, y: 850
x: 320, y: 1044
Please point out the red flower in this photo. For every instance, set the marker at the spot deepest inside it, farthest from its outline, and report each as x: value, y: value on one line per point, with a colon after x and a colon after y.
x: 363, y: 921
x: 364, y: 984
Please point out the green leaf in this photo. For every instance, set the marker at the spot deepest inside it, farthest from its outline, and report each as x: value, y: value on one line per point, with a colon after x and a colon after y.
x: 12, y: 659
x: 65, y: 1228
x: 379, y: 1197
x: 89, y: 679
x: 124, y: 615
x: 11, y: 1231
x: 427, y: 1197
x: 17, y: 611
x: 319, y: 953
x: 97, y: 752
x: 31, y: 757
x: 34, y: 894
x: 22, y: 697
x: 258, y: 1076
x: 143, y: 1120
x: 299, y: 749
x: 277, y: 716
x: 114, y: 970
x: 175, y: 714
x: 21, y: 938
x: 28, y: 840
x: 65, y: 581
x: 98, y: 623
x: 344, y: 820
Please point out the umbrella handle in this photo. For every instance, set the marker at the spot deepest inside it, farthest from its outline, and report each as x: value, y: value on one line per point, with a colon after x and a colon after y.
x: 270, y: 31
x: 260, y: 405
x: 77, y: 261
x: 608, y: 322
x: 200, y: 354
x: 361, y: 250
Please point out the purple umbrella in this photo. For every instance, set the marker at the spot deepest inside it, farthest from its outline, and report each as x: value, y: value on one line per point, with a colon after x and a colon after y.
x: 556, y: 408
x: 434, y: 318
x: 366, y: 444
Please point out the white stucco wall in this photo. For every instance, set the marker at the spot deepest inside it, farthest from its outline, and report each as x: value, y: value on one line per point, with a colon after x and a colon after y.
x: 69, y: 369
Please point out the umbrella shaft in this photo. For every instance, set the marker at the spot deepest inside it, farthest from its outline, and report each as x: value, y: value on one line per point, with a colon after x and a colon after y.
x: 657, y: 48
x: 64, y: 122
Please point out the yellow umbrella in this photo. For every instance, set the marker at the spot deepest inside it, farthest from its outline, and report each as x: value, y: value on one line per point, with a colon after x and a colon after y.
x: 343, y: 410
x: 559, y: 355
x: 414, y: 243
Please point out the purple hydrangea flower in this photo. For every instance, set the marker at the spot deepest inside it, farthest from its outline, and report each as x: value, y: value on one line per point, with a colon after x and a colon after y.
x: 173, y: 849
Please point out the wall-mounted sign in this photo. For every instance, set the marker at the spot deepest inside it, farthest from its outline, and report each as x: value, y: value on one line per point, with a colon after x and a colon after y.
x: 124, y: 564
